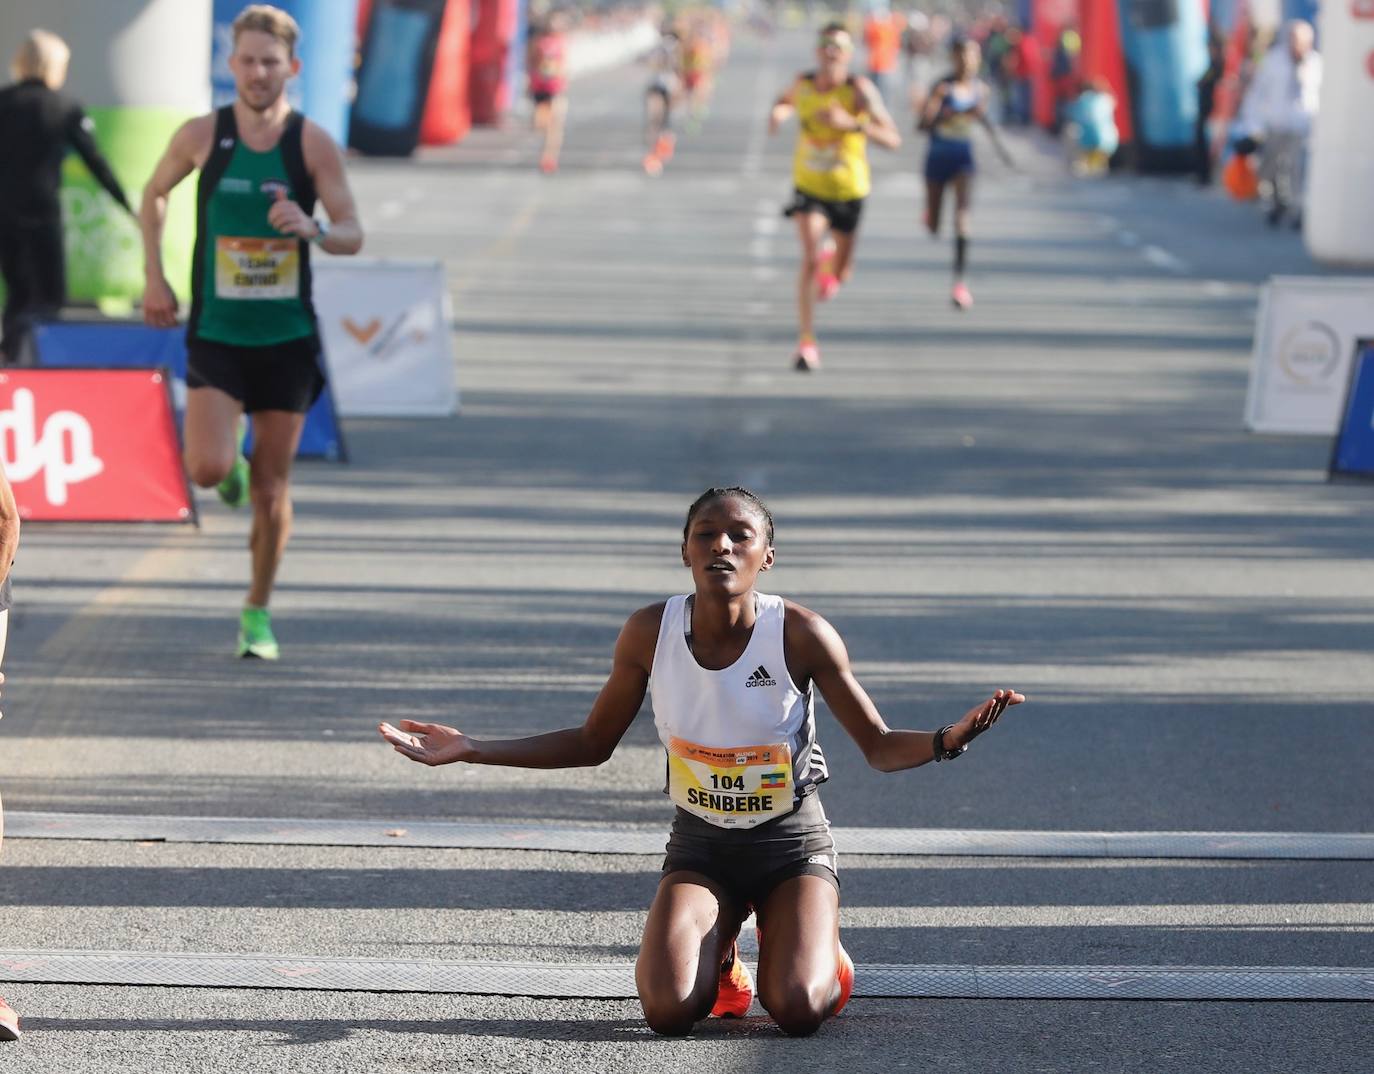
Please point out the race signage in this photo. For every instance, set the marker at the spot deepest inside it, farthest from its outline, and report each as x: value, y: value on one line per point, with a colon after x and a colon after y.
x: 106, y: 343
x: 92, y: 445
x: 1352, y: 454
x: 1304, y: 339
x: 385, y: 329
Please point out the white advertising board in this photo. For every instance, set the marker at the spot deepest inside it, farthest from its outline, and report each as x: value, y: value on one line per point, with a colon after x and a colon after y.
x: 384, y: 326
x: 1304, y: 339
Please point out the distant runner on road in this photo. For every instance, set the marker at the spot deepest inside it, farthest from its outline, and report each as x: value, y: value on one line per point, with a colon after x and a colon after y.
x: 956, y: 103
x: 733, y: 675
x: 838, y: 114
x: 546, y: 60
x: 251, y: 337
x: 662, y: 92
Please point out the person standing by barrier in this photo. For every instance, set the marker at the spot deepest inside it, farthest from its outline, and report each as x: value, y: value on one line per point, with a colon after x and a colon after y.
x: 956, y: 103
x: 546, y: 60
x: 733, y: 675
x: 1206, y: 104
x: 1278, y: 111
x: 9, y: 545
x: 251, y: 337
x: 38, y: 125
x: 838, y: 114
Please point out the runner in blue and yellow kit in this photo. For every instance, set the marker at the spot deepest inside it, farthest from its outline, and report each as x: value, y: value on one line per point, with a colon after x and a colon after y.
x: 838, y: 114
x: 251, y: 336
x: 957, y: 103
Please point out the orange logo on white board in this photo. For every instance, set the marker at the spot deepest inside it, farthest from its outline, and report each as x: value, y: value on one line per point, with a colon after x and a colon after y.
x: 363, y: 333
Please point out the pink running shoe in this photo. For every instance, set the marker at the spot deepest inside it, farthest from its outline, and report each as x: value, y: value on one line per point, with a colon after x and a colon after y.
x: 9, y: 1021
x: 808, y: 357
x: 548, y: 165
x: 827, y: 286
x: 961, y: 296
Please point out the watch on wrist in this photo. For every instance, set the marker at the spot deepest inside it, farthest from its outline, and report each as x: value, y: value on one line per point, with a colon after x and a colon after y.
x: 321, y: 232
x: 942, y: 754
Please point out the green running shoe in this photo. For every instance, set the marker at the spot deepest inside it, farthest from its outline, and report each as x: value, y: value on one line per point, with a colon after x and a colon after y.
x: 255, y: 635
x: 233, y: 490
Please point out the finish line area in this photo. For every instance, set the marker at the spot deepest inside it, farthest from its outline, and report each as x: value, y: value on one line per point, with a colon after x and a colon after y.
x: 603, y: 981
x: 615, y: 980
x: 1347, y: 846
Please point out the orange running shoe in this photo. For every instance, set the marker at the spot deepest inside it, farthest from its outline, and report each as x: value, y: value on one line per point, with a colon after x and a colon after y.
x: 845, y: 975
x: 653, y: 165
x: 9, y: 1021
x: 736, y: 987
x: 663, y: 148
x: 548, y: 165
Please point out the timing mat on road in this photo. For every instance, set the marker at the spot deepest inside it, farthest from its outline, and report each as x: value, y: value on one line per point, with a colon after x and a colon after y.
x: 1349, y: 846
x: 616, y: 980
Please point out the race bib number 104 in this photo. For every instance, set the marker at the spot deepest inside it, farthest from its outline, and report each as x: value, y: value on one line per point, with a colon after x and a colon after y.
x: 731, y: 788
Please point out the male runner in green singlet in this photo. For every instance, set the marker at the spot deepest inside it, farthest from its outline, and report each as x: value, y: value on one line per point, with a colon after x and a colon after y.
x: 251, y: 338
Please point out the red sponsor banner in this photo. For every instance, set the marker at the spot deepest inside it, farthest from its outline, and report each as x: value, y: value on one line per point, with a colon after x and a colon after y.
x: 92, y: 445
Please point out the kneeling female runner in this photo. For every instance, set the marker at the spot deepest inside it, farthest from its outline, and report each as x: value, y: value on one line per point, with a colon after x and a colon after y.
x: 731, y: 672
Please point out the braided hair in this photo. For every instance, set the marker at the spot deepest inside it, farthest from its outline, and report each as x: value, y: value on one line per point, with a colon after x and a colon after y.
x: 742, y: 493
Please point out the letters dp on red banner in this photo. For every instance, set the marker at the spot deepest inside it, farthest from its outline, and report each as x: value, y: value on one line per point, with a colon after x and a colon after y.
x: 92, y: 445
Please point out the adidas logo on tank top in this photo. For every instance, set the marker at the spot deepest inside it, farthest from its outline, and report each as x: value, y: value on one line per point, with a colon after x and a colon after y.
x: 760, y: 677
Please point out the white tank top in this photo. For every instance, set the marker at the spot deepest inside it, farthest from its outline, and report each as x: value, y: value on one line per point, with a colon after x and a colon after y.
x: 741, y: 741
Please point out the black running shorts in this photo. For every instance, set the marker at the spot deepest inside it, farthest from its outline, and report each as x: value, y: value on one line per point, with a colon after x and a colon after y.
x: 843, y: 216
x: 281, y: 376
x: 749, y: 863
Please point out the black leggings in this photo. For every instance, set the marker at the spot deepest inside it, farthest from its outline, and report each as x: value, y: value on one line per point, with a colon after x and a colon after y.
x: 34, y: 269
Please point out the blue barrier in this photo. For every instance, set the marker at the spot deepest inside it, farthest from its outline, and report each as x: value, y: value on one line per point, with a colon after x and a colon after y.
x: 1352, y: 453
x: 107, y: 344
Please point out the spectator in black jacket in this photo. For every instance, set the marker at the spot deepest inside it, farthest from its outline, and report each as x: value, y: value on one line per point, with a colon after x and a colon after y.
x: 38, y: 125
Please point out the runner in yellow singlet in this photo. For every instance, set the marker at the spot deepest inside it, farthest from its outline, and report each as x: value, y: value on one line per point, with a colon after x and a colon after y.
x: 838, y: 115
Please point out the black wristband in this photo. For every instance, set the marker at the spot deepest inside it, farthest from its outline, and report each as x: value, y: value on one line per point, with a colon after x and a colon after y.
x: 942, y: 754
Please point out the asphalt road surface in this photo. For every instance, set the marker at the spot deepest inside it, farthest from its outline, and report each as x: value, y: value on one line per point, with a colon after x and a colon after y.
x: 1053, y: 491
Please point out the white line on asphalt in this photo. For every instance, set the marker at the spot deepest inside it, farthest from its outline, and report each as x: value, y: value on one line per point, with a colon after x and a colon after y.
x: 1128, y: 238
x: 1161, y: 258
x: 1347, y: 846
x: 604, y: 980
x: 764, y: 273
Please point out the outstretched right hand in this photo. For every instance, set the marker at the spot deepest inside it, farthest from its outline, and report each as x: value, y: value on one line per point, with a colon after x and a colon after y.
x: 159, y: 303
x: 428, y: 743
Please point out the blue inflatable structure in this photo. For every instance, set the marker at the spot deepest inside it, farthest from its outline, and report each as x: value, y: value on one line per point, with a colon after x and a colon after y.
x: 1165, y: 46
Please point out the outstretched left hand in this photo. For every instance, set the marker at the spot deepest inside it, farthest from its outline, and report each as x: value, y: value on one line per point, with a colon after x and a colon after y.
x: 979, y: 718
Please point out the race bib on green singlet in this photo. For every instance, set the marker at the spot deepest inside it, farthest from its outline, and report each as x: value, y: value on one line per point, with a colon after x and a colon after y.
x: 731, y: 788
x: 257, y: 268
